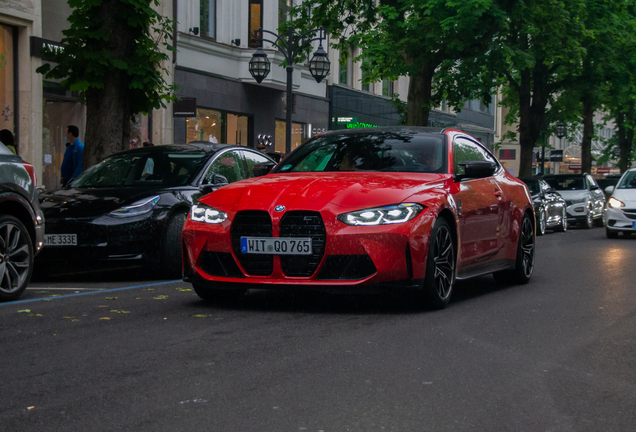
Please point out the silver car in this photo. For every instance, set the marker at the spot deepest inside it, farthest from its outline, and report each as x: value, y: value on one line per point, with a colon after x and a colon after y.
x: 584, y: 198
x: 620, y: 215
x: 21, y: 224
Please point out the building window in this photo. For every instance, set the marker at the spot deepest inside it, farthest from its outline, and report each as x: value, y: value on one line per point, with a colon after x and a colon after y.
x: 217, y: 127
x: 208, y: 18
x: 365, y: 86
x: 345, y: 71
x: 283, y: 11
x: 256, y: 22
x: 387, y: 88
x: 7, y: 91
x: 299, y: 135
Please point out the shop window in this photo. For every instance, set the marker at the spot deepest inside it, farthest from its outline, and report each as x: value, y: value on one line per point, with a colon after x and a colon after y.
x: 283, y: 11
x: 208, y: 18
x: 255, y: 22
x: 217, y: 127
x: 7, y: 94
x: 299, y: 135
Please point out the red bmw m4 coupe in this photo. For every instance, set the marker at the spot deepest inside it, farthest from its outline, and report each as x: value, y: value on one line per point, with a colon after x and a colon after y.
x: 383, y: 208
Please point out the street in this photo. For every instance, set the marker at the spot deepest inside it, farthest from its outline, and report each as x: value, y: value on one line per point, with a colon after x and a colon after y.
x: 113, y: 353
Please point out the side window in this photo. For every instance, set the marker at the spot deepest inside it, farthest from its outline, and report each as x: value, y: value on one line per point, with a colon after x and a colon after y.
x: 226, y: 164
x: 251, y: 159
x: 467, y: 151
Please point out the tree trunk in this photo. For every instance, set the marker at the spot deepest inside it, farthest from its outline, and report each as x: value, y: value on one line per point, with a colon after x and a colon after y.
x: 107, y: 109
x: 532, y: 103
x: 419, y: 98
x: 588, y: 133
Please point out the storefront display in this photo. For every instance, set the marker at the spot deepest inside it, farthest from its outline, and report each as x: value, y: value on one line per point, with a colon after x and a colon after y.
x: 217, y: 127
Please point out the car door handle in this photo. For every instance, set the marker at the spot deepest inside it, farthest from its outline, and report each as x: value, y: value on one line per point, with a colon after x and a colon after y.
x: 497, y: 193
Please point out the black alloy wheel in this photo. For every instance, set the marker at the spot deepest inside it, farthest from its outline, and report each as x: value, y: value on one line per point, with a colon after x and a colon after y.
x: 440, y: 266
x: 524, y: 264
x: 171, y: 258
x: 16, y: 258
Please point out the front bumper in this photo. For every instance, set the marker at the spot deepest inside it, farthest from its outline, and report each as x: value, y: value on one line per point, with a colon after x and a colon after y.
x: 105, y: 239
x: 353, y: 257
x: 620, y: 220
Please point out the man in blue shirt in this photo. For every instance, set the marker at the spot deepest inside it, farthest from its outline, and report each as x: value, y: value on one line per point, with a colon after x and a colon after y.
x: 73, y: 156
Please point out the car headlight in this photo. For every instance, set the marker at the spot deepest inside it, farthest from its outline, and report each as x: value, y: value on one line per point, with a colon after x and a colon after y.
x: 392, y: 214
x: 137, y: 208
x: 206, y: 214
x: 614, y: 203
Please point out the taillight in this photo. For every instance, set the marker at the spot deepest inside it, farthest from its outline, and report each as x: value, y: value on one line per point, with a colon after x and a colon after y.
x: 31, y: 172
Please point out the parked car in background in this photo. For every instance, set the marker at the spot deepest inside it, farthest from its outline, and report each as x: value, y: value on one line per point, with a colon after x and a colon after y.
x: 21, y: 224
x: 584, y: 198
x: 549, y: 206
x: 379, y: 208
x: 620, y: 215
x: 608, y: 180
x: 130, y: 208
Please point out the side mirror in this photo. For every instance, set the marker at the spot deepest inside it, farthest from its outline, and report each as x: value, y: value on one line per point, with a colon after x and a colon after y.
x: 476, y: 169
x: 551, y: 190
x: 217, y: 181
x: 609, y: 190
x: 262, y: 169
x: 594, y: 187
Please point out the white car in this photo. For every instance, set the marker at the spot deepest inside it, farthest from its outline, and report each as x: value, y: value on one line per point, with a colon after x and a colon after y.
x: 620, y: 215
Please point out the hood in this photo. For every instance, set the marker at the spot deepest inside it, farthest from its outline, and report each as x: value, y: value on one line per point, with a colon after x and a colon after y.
x: 573, y: 194
x: 356, y: 190
x: 89, y: 202
x: 628, y: 196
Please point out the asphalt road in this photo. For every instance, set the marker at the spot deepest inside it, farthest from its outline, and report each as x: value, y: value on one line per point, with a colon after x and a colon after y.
x: 114, y: 353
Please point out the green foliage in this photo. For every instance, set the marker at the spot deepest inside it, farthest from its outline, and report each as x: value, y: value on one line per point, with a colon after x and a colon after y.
x: 94, y: 50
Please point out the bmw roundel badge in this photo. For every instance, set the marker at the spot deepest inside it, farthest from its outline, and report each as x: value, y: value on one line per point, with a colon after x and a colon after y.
x: 279, y: 208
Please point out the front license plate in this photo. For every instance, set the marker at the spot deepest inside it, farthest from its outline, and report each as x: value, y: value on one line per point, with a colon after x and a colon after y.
x: 633, y: 224
x: 276, y: 246
x: 60, y: 240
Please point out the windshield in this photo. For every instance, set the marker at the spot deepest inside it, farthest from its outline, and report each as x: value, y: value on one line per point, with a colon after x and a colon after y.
x: 533, y: 185
x: 628, y: 181
x: 139, y: 168
x: 566, y: 183
x: 387, y: 152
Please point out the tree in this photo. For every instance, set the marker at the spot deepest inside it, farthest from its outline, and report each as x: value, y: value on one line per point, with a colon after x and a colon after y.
x: 114, y: 57
x: 411, y: 38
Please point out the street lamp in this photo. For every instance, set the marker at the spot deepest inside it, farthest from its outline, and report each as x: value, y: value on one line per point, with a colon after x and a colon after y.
x: 560, y: 130
x: 290, y: 45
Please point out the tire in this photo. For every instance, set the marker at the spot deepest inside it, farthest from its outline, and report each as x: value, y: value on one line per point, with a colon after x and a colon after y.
x: 524, y: 263
x: 599, y: 222
x: 611, y: 234
x: 588, y: 222
x: 563, y: 226
x: 440, y: 267
x: 541, y: 223
x: 218, y: 295
x: 16, y: 258
x: 171, y: 259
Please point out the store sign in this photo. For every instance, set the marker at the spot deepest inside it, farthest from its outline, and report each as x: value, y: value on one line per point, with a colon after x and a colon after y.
x: 507, y: 154
x: 603, y: 170
x: 353, y: 123
x: 185, y: 107
x: 574, y: 166
x: 38, y: 45
x: 556, y: 156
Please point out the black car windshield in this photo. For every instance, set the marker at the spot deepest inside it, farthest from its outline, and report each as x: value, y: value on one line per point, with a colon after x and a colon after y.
x: 533, y: 185
x: 385, y: 151
x: 629, y: 181
x: 138, y: 168
x: 566, y: 183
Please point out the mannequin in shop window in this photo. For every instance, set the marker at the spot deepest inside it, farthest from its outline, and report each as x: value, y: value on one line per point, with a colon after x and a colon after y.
x: 6, y: 137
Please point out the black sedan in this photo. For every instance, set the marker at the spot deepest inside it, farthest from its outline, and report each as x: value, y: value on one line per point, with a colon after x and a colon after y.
x: 549, y: 206
x: 130, y: 208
